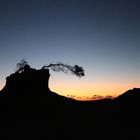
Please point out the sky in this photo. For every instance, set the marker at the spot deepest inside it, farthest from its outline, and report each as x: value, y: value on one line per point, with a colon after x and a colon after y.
x: 102, y: 36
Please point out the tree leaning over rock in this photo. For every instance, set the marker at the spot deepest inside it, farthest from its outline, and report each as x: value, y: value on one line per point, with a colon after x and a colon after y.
x: 75, y: 70
x: 57, y: 67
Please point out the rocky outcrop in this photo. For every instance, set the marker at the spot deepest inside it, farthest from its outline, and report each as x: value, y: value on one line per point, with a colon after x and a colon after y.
x: 27, y: 82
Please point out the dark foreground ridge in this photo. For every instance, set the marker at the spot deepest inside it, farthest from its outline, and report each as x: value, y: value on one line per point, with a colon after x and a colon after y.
x: 29, y: 110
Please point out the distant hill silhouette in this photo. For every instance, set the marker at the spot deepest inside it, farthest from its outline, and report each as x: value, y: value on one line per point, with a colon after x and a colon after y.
x: 29, y: 109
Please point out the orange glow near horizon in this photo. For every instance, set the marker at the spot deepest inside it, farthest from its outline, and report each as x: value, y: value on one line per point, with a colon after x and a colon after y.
x: 88, y: 91
x: 1, y: 85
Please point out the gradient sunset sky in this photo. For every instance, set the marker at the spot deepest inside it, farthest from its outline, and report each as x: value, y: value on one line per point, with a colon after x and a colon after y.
x: 103, y: 36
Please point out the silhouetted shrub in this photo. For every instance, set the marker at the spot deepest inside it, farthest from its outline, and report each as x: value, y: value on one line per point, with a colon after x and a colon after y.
x: 21, y: 65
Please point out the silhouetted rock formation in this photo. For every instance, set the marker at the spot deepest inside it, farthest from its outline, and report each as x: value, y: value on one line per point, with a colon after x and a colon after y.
x: 27, y: 82
x: 30, y: 110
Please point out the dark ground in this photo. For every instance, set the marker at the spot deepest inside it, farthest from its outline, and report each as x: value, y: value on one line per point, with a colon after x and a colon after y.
x: 28, y: 111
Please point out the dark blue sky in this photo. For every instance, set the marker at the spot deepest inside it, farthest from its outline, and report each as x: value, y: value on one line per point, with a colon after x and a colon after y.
x: 101, y: 35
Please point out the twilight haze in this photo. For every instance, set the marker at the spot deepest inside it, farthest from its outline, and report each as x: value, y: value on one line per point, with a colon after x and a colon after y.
x: 103, y: 36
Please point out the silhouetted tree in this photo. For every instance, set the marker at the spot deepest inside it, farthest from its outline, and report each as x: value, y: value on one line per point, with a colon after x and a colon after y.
x: 75, y: 70
x: 21, y: 65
